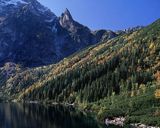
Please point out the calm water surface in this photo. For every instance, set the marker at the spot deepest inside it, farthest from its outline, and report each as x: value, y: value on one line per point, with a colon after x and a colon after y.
x: 39, y: 116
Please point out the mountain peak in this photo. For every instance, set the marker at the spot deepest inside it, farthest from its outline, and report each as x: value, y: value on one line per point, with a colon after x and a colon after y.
x: 66, y: 19
x: 67, y: 11
x: 67, y: 15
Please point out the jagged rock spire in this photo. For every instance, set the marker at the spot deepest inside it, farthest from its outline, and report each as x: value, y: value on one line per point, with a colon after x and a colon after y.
x: 66, y: 20
x: 67, y: 14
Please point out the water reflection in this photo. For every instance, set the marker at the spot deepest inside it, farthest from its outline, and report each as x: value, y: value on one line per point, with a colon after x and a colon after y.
x: 40, y: 116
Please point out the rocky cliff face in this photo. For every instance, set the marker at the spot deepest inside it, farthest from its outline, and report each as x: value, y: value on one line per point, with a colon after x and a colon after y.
x: 32, y: 35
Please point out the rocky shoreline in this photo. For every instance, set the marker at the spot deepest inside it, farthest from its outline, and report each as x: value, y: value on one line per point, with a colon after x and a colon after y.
x: 139, y: 125
x: 120, y: 121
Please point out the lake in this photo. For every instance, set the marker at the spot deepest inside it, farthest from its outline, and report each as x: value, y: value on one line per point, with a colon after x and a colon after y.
x: 14, y: 115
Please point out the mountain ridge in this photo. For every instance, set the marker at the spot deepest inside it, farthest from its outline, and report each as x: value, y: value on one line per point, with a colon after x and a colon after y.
x: 52, y: 38
x: 31, y: 24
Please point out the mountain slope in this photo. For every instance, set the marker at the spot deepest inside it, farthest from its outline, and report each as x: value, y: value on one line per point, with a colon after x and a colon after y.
x: 117, y: 78
x: 119, y: 65
x: 32, y: 35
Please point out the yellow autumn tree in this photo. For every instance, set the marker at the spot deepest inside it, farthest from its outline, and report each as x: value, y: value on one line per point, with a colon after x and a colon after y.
x: 157, y: 93
x: 157, y: 77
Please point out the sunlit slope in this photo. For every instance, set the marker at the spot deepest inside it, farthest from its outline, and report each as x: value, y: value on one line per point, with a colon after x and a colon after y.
x: 119, y: 65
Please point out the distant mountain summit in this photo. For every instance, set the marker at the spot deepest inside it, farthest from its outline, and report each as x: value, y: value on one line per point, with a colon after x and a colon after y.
x: 32, y: 35
x: 67, y: 22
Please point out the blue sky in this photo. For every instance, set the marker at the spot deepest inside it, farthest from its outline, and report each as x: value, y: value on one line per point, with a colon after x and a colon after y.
x: 108, y: 14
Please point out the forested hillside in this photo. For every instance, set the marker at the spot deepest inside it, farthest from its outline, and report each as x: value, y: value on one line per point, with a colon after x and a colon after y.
x: 117, y: 77
x: 123, y: 64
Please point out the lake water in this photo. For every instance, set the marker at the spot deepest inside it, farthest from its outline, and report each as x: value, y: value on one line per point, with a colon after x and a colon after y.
x: 13, y: 115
